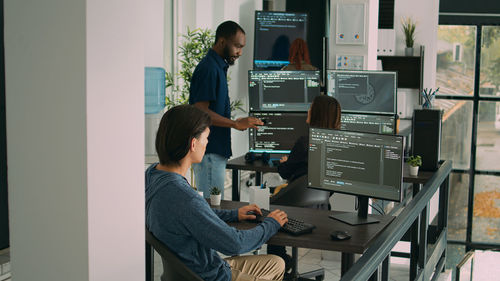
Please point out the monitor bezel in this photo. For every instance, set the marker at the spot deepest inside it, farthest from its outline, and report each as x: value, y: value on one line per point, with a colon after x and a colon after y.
x: 270, y: 151
x: 395, y: 109
x: 395, y: 116
x: 400, y: 199
x: 260, y: 109
x: 306, y: 24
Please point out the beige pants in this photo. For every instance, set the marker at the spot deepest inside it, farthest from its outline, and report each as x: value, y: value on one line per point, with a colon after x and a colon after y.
x: 256, y: 267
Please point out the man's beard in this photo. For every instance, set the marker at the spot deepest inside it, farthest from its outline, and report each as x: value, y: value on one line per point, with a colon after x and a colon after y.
x: 227, y: 57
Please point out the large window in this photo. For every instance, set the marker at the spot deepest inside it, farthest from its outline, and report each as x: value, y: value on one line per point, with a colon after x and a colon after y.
x: 468, y: 74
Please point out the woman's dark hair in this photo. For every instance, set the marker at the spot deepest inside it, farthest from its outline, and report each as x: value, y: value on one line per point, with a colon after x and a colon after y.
x: 178, y: 126
x: 325, y: 113
x: 227, y: 30
x: 298, y: 53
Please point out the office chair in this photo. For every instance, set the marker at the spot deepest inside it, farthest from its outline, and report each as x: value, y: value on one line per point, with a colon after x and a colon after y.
x: 297, y: 194
x: 173, y: 268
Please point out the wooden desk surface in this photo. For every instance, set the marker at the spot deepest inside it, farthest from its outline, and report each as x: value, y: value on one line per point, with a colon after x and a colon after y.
x: 239, y: 163
x: 362, y: 235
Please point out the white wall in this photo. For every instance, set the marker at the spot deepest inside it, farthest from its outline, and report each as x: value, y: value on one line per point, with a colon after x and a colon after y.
x: 74, y: 99
x: 425, y: 12
x: 369, y: 48
x: 209, y: 14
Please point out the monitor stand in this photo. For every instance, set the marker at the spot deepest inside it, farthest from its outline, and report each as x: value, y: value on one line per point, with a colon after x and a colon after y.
x: 356, y: 219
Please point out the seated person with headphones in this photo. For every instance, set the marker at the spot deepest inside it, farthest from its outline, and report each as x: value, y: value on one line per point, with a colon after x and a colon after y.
x: 323, y: 113
x: 183, y: 220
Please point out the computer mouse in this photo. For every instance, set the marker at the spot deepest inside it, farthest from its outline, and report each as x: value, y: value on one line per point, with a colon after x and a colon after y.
x: 340, y: 235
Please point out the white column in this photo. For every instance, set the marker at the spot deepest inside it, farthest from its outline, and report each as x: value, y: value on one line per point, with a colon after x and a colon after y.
x: 75, y: 123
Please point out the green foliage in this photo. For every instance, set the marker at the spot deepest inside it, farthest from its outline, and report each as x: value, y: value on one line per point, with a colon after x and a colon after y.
x: 408, y: 26
x: 415, y: 161
x: 214, y: 190
x: 195, y: 45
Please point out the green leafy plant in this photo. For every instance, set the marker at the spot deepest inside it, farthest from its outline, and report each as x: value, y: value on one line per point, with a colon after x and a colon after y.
x: 214, y: 190
x: 409, y: 26
x: 195, y: 45
x: 415, y: 161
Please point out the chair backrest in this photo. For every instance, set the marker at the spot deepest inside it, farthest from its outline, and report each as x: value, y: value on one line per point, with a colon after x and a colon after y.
x: 297, y: 194
x: 173, y: 268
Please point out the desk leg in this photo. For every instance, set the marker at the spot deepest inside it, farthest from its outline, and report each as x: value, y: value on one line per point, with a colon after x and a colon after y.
x: 346, y: 262
x: 414, y: 241
x: 295, y: 263
x: 236, y: 185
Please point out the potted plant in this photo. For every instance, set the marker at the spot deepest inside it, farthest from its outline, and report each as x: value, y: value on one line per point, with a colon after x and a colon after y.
x: 215, y: 196
x: 414, y: 162
x: 408, y: 26
x: 195, y: 45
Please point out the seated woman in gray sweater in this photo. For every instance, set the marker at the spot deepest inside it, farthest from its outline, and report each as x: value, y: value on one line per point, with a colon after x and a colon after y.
x: 184, y: 221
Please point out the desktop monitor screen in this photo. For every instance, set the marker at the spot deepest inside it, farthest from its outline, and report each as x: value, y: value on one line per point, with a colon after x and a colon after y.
x: 363, y: 91
x: 279, y: 133
x: 275, y: 90
x: 363, y: 164
x: 382, y: 124
x: 274, y: 33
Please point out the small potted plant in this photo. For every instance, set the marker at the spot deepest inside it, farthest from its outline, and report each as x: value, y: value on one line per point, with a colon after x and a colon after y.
x: 414, y: 162
x: 408, y: 26
x: 215, y: 196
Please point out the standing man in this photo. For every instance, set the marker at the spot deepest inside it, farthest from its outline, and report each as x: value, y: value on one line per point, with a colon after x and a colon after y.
x: 209, y: 92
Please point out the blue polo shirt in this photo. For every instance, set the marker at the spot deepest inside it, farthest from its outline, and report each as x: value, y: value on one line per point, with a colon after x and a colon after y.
x: 209, y: 83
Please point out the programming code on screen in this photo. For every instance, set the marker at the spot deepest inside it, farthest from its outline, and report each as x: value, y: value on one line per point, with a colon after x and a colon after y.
x: 279, y: 133
x: 382, y: 124
x: 356, y: 163
x: 363, y: 91
x: 282, y: 90
x: 274, y: 33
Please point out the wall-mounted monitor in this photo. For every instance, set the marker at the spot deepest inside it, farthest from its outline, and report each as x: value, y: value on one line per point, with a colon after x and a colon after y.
x: 277, y: 90
x: 364, y: 91
x: 274, y: 33
x: 279, y: 132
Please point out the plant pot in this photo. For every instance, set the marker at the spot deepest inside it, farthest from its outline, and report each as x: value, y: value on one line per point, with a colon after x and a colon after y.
x: 414, y: 170
x: 408, y: 51
x: 215, y: 199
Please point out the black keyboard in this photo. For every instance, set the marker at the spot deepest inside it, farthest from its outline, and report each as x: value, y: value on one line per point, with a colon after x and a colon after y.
x: 293, y: 226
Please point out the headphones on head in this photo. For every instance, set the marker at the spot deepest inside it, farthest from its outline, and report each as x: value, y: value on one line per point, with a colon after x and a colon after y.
x: 250, y: 157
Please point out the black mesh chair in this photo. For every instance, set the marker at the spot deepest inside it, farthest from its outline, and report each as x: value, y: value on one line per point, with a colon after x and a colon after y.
x: 173, y: 268
x: 297, y: 194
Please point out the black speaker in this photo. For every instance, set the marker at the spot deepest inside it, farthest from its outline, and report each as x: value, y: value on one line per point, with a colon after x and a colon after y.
x: 426, y: 137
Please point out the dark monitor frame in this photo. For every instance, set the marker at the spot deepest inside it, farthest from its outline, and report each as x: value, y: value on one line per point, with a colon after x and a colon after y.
x: 291, y: 106
x: 256, y: 39
x: 394, y: 124
x: 251, y: 143
x: 362, y: 215
x: 395, y: 73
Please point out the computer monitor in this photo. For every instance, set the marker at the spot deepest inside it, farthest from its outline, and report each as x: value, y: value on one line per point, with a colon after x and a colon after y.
x: 382, y: 124
x: 274, y: 33
x: 362, y: 164
x: 364, y: 91
x: 279, y: 132
x: 276, y: 90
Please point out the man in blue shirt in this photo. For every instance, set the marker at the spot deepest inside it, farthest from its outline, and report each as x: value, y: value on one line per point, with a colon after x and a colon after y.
x: 184, y: 221
x: 209, y: 92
